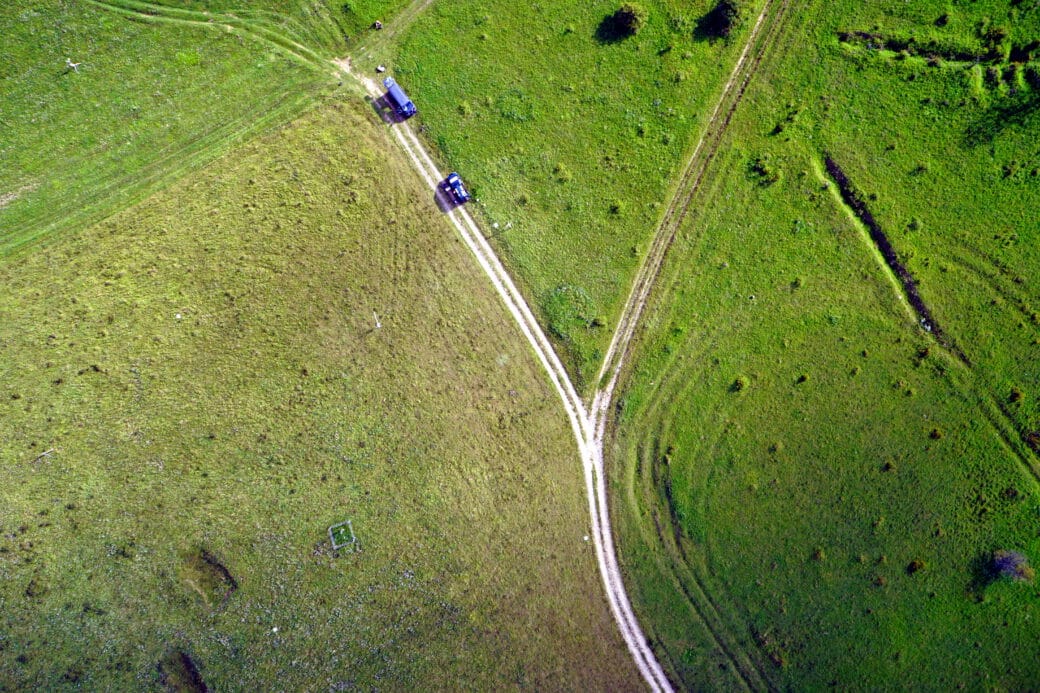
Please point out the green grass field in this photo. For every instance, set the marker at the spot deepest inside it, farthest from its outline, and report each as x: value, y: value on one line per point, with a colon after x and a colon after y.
x: 810, y: 486
x: 198, y: 382
x: 570, y: 143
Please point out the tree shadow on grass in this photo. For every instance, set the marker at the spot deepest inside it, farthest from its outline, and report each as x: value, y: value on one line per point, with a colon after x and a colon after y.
x: 717, y: 24
x: 611, y: 30
x: 982, y: 575
x: 1019, y: 110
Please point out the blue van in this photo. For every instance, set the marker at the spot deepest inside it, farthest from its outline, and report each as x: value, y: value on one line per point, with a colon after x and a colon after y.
x: 398, y: 100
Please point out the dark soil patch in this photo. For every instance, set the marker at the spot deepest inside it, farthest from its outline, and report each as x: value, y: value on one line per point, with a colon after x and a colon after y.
x: 208, y: 577
x: 853, y: 199
x: 178, y: 673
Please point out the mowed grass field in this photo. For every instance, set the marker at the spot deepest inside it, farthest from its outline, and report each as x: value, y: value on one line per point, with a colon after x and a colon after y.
x: 198, y: 385
x: 569, y: 142
x: 159, y: 89
x: 810, y: 487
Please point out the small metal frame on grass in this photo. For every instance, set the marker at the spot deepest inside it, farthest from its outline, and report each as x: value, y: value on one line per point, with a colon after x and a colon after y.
x: 342, y: 536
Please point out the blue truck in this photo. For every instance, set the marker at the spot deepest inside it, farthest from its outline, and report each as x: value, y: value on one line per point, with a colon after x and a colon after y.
x: 398, y: 100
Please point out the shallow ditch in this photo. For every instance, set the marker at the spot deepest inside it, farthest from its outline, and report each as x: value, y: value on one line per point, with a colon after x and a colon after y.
x: 1022, y: 52
x: 852, y: 198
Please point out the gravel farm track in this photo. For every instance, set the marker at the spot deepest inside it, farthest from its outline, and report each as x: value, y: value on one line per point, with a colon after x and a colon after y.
x: 591, y: 421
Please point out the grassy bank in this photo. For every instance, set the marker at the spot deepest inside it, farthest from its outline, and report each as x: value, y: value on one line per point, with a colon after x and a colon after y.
x: 811, y: 487
x: 195, y: 389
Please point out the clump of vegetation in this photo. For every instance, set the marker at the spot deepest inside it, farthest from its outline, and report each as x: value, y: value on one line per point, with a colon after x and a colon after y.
x: 1033, y: 440
x: 1013, y: 565
x: 763, y: 170
x: 720, y: 22
x: 625, y: 22
x: 740, y: 384
x: 997, y: 40
x: 566, y: 308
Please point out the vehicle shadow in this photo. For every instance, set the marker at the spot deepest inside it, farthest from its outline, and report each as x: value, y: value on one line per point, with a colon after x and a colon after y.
x: 384, y: 110
x: 445, y: 202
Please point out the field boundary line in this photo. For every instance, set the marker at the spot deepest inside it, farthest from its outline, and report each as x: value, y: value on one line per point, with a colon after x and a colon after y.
x: 151, y: 13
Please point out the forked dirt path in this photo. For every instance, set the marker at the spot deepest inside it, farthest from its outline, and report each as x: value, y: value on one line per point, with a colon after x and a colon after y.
x: 577, y: 414
x: 590, y: 425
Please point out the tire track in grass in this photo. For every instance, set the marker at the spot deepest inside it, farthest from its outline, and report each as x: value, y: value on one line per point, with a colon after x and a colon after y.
x: 299, y: 31
x: 1001, y: 420
x: 378, y: 41
x: 323, y: 25
x: 618, y: 353
x: 171, y: 163
x: 689, y: 184
x: 990, y: 274
x: 691, y: 573
x: 149, y: 12
x: 589, y: 432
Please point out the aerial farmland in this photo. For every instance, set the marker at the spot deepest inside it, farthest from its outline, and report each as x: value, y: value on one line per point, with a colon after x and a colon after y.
x: 490, y: 345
